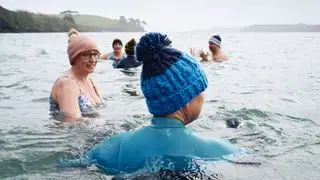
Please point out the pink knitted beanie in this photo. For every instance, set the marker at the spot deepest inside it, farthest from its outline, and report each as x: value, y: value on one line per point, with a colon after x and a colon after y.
x: 78, y: 44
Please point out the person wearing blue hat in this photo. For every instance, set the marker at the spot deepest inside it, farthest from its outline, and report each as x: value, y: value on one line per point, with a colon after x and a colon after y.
x: 215, y: 53
x: 173, y: 84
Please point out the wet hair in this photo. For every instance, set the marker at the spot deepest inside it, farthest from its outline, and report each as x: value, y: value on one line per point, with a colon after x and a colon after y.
x: 130, y: 47
x: 116, y: 41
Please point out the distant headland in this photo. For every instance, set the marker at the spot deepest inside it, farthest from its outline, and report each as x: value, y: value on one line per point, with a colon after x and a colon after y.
x: 282, y: 28
x: 24, y: 21
x: 264, y: 28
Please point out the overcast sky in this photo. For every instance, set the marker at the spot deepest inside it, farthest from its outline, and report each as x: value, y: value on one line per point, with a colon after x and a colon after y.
x: 184, y: 15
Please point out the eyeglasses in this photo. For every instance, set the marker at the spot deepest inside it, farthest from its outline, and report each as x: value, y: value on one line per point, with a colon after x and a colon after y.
x: 88, y: 55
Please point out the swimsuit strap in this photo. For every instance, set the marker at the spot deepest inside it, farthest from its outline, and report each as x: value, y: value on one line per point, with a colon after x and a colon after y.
x: 70, y: 77
x: 93, y: 84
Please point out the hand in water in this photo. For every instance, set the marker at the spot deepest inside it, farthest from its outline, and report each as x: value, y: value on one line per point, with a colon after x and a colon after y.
x: 203, y: 55
x: 193, y: 52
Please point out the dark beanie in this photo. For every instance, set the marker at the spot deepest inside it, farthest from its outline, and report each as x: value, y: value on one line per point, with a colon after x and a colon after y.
x: 216, y: 39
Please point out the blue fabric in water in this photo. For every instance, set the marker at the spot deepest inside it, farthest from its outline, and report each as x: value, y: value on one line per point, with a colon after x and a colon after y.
x: 165, y: 137
x: 128, y: 62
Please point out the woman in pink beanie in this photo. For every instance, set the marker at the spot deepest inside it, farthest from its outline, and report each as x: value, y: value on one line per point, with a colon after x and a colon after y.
x: 74, y: 94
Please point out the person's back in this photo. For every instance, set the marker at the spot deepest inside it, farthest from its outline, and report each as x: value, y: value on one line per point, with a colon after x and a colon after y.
x: 164, y: 137
x: 128, y: 62
x: 131, y: 60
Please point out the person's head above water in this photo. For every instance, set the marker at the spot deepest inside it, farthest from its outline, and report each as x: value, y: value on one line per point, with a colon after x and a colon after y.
x: 215, y: 39
x: 215, y: 43
x: 117, y: 45
x: 78, y: 44
x: 171, y: 81
x: 82, y: 51
x: 130, y: 47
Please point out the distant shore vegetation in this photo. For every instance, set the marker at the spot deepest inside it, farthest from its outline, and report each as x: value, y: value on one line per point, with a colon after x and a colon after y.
x: 24, y: 21
x: 282, y: 28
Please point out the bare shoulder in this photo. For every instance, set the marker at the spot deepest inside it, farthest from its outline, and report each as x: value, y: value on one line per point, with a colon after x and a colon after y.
x: 66, y: 84
x: 224, y: 57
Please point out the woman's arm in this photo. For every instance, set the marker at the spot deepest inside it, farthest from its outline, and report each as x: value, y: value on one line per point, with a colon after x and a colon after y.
x: 67, y: 99
x: 104, y: 56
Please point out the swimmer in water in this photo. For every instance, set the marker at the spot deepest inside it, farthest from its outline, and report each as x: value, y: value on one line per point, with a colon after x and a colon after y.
x: 215, y: 53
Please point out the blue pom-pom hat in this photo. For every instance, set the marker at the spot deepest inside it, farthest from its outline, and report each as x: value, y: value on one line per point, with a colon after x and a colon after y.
x: 170, y: 78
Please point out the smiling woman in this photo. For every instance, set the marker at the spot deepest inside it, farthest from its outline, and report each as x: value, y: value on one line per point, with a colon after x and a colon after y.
x: 74, y: 94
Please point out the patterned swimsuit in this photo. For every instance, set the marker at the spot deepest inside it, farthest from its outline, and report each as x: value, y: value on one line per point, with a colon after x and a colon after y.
x: 115, y: 60
x: 87, y: 106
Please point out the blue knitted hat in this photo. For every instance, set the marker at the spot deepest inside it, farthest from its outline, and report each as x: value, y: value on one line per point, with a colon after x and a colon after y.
x: 170, y: 78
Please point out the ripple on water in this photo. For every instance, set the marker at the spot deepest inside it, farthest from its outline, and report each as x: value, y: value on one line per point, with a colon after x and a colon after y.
x: 44, y: 99
x: 247, y: 114
x: 248, y: 92
x: 6, y: 107
x: 212, y: 101
x: 15, y: 84
x: 7, y: 73
x: 39, y: 162
x: 25, y: 87
x: 288, y: 100
x: 42, y: 52
x: 31, y: 151
x: 130, y: 90
x: 300, y: 119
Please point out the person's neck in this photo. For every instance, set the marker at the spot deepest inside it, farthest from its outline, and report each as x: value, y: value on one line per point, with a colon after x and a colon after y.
x: 181, y: 115
x: 216, y: 52
x: 117, y: 54
x: 78, y: 74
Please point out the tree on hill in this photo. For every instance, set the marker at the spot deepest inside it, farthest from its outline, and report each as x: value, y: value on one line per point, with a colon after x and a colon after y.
x: 131, y: 24
x: 123, y: 20
x: 68, y: 17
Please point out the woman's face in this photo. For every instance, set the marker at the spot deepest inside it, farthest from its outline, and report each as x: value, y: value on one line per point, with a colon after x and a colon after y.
x: 117, y: 47
x: 87, y: 61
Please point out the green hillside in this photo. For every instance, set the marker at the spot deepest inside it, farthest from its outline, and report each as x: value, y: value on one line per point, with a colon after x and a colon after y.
x: 23, y: 21
x: 96, y: 21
